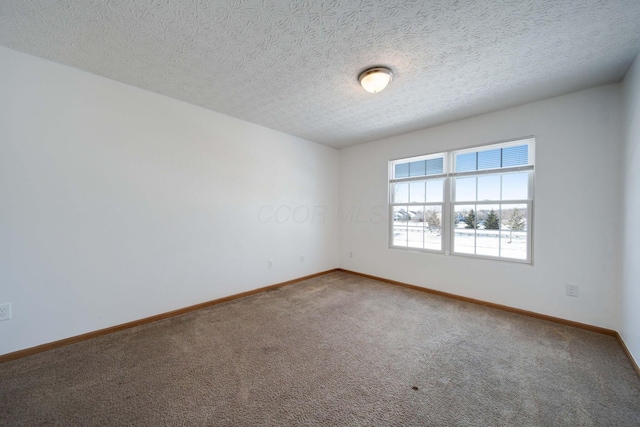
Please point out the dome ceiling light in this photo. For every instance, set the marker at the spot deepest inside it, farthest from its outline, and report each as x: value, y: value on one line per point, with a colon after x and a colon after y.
x: 375, y: 79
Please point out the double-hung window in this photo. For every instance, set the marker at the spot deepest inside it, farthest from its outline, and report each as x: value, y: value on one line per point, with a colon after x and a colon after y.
x: 474, y: 202
x: 417, y: 202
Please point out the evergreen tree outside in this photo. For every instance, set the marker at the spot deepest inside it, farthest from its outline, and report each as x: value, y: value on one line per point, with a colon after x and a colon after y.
x: 515, y: 222
x: 492, y: 222
x: 470, y: 219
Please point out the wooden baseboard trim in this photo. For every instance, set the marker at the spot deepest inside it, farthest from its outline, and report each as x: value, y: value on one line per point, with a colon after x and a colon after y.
x: 78, y: 338
x: 634, y: 365
x: 559, y: 320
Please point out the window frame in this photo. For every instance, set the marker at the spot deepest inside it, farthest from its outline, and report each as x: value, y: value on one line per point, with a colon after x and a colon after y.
x: 393, y: 180
x: 448, y: 204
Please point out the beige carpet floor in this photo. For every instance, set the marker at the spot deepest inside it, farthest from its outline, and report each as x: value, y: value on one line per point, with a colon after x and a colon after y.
x: 334, y: 350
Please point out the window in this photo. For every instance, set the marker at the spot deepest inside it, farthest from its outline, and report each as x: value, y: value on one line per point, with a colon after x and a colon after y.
x: 417, y: 201
x: 474, y: 202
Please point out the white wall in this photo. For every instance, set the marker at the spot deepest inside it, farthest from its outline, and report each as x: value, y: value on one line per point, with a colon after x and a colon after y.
x: 118, y: 203
x: 630, y: 283
x: 576, y: 236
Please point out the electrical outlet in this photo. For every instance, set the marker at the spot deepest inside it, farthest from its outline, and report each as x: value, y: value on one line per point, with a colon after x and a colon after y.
x: 572, y: 290
x: 5, y: 311
x: 301, y: 258
x: 351, y: 254
x: 269, y: 263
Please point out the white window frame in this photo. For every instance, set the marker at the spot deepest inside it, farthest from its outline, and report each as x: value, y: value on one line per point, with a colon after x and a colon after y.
x: 443, y: 176
x: 448, y: 204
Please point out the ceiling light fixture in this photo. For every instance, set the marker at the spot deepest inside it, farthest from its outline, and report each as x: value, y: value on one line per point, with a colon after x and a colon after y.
x: 375, y: 79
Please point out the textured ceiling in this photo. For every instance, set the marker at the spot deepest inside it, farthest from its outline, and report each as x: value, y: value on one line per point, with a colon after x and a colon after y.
x: 293, y: 65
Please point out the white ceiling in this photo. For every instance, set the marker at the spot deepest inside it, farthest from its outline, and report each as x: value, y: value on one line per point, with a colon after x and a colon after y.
x: 293, y: 65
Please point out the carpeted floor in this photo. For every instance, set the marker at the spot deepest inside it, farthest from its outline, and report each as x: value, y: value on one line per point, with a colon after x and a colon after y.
x: 334, y: 350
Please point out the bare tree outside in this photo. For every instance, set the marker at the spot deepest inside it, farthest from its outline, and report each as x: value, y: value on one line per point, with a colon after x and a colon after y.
x: 433, y: 219
x: 515, y: 222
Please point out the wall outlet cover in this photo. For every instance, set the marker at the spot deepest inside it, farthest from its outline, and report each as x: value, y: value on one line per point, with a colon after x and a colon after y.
x: 572, y: 290
x: 5, y: 311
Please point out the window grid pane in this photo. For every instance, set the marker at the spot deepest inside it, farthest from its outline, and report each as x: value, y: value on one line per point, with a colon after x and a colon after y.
x: 433, y: 228
x: 417, y: 192
x: 435, y: 191
x: 466, y: 162
x: 400, y: 192
x: 489, y: 187
x: 515, y: 186
x: 489, y: 159
x: 515, y: 156
x: 435, y: 166
x: 465, y: 189
x: 415, y: 228
x: 400, y: 222
x: 464, y: 235
x: 417, y: 168
x: 401, y: 170
x: 514, y: 235
x: 488, y: 231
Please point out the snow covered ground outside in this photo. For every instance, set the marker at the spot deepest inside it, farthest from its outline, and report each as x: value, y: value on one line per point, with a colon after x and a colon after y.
x: 496, y: 243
